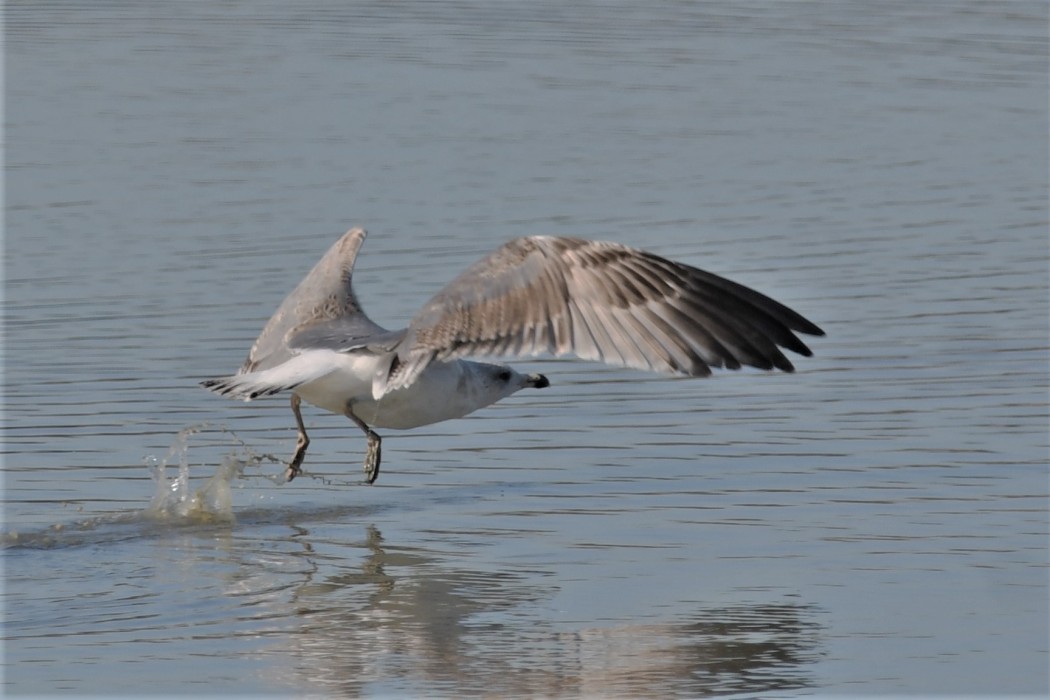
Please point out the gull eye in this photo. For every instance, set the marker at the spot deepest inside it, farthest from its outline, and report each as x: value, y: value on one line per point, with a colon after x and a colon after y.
x: 504, y: 375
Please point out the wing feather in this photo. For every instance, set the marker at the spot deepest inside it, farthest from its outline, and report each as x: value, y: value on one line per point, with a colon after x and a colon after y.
x: 323, y: 296
x: 599, y: 301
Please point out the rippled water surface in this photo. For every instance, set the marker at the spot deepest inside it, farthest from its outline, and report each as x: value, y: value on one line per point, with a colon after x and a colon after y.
x: 874, y: 523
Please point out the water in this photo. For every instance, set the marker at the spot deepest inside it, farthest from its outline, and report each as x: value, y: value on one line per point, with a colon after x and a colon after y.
x: 875, y: 523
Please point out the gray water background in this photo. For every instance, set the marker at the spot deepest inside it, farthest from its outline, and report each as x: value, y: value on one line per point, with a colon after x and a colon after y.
x: 875, y: 523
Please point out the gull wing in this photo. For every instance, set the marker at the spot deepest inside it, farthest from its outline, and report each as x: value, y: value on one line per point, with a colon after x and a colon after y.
x: 599, y: 301
x: 324, y: 296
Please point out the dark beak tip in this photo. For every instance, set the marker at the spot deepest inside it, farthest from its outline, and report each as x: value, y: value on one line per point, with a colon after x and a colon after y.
x: 539, y: 381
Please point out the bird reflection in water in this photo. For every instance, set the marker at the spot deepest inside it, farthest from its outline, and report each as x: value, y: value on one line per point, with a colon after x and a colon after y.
x: 404, y: 623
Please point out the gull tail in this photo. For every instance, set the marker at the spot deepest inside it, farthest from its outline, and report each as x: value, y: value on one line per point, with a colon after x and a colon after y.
x: 245, y: 386
x: 301, y: 369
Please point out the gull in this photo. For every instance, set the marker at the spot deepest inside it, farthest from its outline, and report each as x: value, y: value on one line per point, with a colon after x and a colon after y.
x: 535, y: 295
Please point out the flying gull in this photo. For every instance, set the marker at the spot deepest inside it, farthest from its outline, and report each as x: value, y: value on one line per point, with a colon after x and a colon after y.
x: 539, y: 294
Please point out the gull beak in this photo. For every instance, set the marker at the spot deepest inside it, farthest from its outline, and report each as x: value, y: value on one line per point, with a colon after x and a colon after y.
x: 538, y: 381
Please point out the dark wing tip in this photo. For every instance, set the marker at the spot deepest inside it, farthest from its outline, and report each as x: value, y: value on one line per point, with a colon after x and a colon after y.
x: 809, y: 328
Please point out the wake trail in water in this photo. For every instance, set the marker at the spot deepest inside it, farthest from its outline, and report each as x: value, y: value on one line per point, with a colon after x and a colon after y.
x: 175, y: 501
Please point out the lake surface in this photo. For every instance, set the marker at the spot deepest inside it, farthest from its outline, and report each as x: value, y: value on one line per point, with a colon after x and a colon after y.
x: 875, y: 523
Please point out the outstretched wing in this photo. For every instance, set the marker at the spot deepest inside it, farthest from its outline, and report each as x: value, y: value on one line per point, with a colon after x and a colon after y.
x: 323, y: 296
x: 599, y: 301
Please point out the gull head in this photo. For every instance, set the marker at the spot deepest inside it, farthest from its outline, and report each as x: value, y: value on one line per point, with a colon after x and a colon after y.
x: 498, y: 381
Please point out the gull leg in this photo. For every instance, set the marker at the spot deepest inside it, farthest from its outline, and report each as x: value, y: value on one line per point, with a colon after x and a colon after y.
x: 375, y: 448
x: 301, y: 443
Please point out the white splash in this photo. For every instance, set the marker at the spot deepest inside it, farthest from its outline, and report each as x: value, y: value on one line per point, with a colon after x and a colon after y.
x: 175, y: 499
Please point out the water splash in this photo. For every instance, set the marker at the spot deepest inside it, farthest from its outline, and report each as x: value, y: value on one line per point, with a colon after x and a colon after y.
x: 175, y: 499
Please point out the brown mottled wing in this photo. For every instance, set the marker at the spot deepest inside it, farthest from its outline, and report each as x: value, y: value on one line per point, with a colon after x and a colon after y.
x: 599, y: 301
x: 323, y: 297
